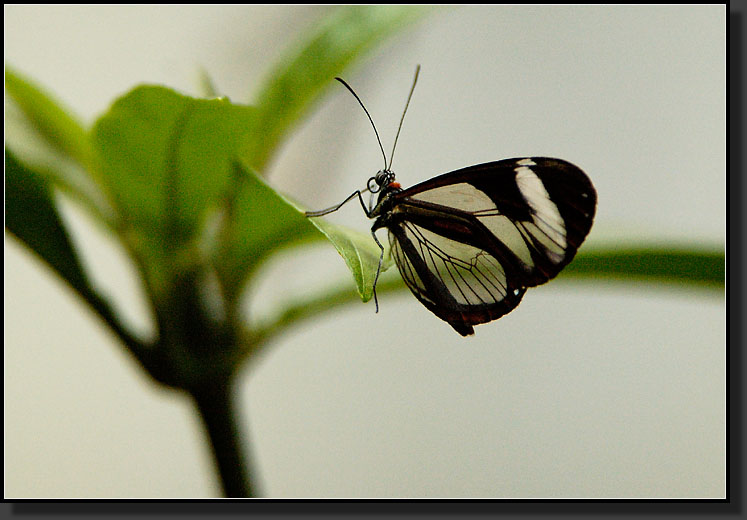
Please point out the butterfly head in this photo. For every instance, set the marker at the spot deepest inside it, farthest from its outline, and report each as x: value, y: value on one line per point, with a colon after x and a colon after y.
x: 382, y: 180
x: 382, y: 183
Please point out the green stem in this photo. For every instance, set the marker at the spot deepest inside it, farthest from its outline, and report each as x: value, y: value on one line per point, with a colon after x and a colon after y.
x: 217, y: 405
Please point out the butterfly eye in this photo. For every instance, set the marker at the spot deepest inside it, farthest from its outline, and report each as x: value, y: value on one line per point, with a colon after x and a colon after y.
x: 373, y: 184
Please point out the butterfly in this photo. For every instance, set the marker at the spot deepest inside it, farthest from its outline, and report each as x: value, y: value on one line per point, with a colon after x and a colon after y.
x: 469, y: 243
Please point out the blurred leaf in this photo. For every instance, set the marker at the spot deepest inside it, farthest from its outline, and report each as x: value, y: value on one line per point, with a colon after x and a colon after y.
x: 44, y: 136
x: 55, y: 123
x: 298, y: 80
x: 31, y: 215
x: 360, y: 252
x: 167, y: 161
x: 635, y: 263
x: 259, y: 222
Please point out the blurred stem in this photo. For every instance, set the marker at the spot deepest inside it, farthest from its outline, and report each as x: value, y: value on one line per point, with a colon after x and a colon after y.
x: 655, y: 266
x: 641, y: 267
x: 216, y: 403
x: 304, y: 309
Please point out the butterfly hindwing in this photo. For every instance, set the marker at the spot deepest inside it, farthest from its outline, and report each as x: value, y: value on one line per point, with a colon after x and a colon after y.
x: 460, y: 283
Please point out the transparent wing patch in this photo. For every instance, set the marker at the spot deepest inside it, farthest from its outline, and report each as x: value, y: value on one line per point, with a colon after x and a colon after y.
x: 469, y: 275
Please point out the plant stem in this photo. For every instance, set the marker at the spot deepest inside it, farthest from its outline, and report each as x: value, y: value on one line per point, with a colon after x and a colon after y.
x: 216, y: 402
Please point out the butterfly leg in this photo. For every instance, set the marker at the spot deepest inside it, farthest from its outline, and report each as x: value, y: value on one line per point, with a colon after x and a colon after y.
x: 356, y: 193
x: 378, y: 269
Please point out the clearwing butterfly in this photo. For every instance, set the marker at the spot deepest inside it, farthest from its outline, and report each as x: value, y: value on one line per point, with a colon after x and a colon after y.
x: 469, y: 243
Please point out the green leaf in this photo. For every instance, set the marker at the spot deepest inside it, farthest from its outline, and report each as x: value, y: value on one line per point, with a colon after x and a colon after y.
x: 360, y: 252
x: 299, y: 79
x: 54, y: 122
x: 44, y: 136
x: 167, y: 160
x: 259, y: 221
x: 31, y: 215
x: 682, y: 266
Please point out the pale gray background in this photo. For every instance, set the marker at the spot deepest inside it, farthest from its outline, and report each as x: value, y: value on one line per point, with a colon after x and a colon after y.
x: 592, y: 390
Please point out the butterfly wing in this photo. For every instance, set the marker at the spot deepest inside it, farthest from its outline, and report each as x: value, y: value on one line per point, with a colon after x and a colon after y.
x: 468, y: 243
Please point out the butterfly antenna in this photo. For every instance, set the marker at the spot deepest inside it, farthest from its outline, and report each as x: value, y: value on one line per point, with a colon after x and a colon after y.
x: 412, y: 89
x: 369, y: 116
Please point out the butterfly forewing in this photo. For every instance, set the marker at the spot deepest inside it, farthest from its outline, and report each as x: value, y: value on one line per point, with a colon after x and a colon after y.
x: 469, y: 242
x: 534, y: 213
